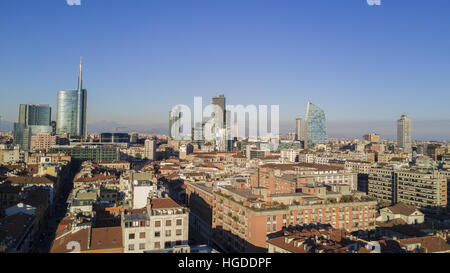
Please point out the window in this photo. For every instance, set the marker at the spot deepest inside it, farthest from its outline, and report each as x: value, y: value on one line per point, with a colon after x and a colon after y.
x: 157, y: 223
x: 130, y: 247
x: 268, y: 227
x: 179, y: 232
x: 178, y: 243
x: 167, y: 244
x: 179, y: 222
x: 142, y: 246
x: 168, y: 223
x: 158, y: 245
x: 167, y: 233
x: 142, y: 235
x: 142, y: 223
x: 131, y: 236
x: 157, y: 234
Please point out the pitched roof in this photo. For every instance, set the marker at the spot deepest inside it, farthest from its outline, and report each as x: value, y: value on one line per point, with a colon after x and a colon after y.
x: 106, y: 238
x: 401, y: 208
x: 430, y: 243
x: 13, y: 227
x: 164, y: 203
x: 60, y: 245
x: 19, y: 180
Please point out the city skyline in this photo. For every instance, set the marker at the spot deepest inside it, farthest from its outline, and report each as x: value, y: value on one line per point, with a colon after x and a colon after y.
x: 130, y: 79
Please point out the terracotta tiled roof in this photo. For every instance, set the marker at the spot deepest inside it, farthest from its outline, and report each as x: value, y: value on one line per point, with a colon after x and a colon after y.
x: 97, y: 177
x: 401, y: 208
x: 19, y: 180
x: 430, y: 243
x: 80, y: 236
x: 164, y: 203
x: 106, y: 238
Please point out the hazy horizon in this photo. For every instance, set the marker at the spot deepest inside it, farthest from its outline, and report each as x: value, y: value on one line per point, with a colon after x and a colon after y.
x: 364, y: 65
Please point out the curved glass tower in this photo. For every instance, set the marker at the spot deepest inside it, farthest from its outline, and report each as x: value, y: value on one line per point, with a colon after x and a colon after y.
x: 71, y: 111
x: 315, y: 126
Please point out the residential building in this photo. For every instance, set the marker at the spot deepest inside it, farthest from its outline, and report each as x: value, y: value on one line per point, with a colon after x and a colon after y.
x: 426, y: 189
x: 162, y: 224
x: 404, y: 134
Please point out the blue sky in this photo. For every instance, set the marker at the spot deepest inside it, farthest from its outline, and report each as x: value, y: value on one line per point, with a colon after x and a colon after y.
x: 364, y: 65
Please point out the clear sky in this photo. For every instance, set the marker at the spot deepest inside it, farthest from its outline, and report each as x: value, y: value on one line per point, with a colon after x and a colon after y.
x: 364, y: 65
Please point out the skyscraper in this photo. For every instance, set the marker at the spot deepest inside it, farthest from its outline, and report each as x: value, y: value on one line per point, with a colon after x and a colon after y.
x: 220, y: 101
x: 222, y: 129
x: 71, y: 111
x: 404, y: 134
x: 35, y: 114
x: 33, y: 119
x: 315, y: 126
x: 298, y: 129
x: 174, y: 123
x: 150, y: 149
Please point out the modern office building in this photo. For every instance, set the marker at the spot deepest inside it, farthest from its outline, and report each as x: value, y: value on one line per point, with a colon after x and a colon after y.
x: 114, y: 138
x: 71, y: 111
x: 220, y: 101
x: 404, y: 134
x: 35, y: 114
x: 222, y: 129
x: 315, y: 126
x: 93, y: 153
x: 174, y: 126
x: 298, y: 129
x: 33, y: 119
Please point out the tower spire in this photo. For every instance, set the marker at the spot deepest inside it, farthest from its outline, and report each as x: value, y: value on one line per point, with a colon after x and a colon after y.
x: 80, y: 87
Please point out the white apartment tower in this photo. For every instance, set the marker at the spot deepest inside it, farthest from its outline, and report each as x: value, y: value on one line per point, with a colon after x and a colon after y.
x: 404, y: 134
x: 150, y: 149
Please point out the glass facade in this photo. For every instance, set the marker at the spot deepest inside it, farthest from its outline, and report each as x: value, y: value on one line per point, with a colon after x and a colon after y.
x: 315, y: 126
x: 71, y: 111
x: 33, y: 119
x: 30, y: 114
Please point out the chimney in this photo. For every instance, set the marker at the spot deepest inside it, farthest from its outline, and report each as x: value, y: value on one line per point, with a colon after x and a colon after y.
x: 149, y: 206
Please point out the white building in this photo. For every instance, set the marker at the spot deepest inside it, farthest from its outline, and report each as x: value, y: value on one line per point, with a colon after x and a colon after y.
x: 163, y: 224
x: 404, y: 134
x: 150, y: 149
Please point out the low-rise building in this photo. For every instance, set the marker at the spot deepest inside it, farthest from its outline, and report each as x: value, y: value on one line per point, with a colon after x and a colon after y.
x: 162, y: 224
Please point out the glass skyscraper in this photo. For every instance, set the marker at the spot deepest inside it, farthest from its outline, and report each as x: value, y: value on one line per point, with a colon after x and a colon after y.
x: 71, y: 111
x: 315, y: 126
x: 33, y: 119
x: 35, y: 114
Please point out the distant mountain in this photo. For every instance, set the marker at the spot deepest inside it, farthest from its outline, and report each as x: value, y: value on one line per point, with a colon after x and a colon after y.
x: 110, y: 127
x: 6, y: 125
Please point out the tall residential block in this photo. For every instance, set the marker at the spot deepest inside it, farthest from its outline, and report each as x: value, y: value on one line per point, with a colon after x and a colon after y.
x: 426, y: 189
x: 150, y: 149
x: 298, y: 129
x: 404, y: 134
